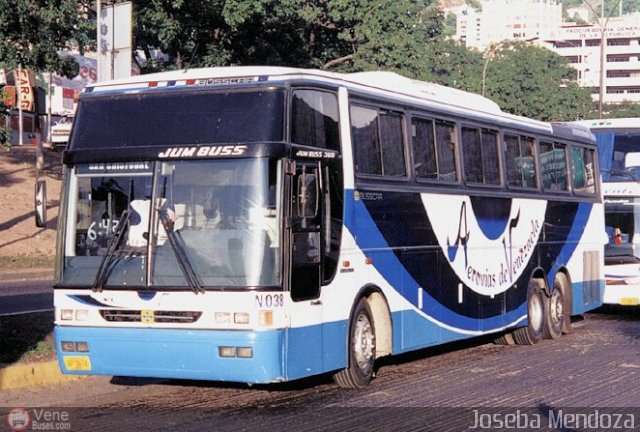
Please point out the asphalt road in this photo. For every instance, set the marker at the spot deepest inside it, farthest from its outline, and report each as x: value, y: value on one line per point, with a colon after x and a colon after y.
x: 25, y: 296
x: 592, y: 374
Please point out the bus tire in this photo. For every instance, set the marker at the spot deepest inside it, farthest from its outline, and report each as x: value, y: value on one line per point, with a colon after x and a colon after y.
x: 554, y: 315
x: 531, y: 334
x: 362, y: 349
x: 562, y: 283
x: 504, y: 339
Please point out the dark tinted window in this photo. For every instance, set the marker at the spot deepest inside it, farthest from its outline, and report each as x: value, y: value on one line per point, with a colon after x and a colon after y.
x: 314, y: 119
x: 582, y: 170
x: 446, y: 145
x: 490, y: 163
x: 392, y: 144
x: 171, y: 118
x: 433, y: 150
x: 472, y: 155
x: 377, y: 141
x: 520, y: 161
x: 366, y: 143
x: 481, y: 163
x: 553, y: 166
x: 424, y: 149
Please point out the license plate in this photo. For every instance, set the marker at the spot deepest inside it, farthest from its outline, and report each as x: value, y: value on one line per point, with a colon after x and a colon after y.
x: 629, y: 301
x: 77, y: 363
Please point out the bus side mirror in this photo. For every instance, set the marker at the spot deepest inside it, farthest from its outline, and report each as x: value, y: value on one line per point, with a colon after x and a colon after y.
x: 632, y: 160
x: 41, y: 203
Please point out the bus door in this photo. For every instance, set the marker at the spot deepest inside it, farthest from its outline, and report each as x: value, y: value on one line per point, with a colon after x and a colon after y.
x: 304, y: 228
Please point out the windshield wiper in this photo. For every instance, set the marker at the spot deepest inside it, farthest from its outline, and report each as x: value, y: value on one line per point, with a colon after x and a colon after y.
x: 112, y: 246
x: 183, y: 261
x: 619, y: 173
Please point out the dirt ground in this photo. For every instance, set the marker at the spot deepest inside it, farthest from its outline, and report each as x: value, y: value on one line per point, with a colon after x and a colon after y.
x: 22, y: 244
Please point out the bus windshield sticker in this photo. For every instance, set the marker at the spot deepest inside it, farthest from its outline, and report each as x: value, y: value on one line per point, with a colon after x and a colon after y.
x: 203, y: 151
x: 114, y: 168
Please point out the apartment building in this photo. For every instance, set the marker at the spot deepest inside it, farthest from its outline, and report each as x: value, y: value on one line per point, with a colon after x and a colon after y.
x: 540, y: 21
x: 581, y: 44
x: 497, y: 20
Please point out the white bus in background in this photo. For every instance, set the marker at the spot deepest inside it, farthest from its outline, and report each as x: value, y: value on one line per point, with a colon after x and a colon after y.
x: 619, y: 153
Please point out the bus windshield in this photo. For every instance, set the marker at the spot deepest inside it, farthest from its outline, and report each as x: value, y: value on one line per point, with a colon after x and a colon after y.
x: 622, y: 224
x: 619, y: 155
x: 208, y: 223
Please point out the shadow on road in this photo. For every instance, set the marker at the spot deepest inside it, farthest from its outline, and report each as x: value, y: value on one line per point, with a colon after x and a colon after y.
x: 26, y: 334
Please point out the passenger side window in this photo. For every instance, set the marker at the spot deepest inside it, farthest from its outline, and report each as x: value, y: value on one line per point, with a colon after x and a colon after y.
x: 446, y: 148
x: 520, y: 161
x: 553, y: 165
x: 314, y: 119
x: 424, y: 149
x: 393, y: 162
x: 366, y: 145
x: 582, y: 170
x: 480, y: 149
x: 377, y: 142
x: 433, y: 150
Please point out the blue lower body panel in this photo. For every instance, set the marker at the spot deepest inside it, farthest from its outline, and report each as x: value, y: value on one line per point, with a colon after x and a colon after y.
x: 176, y: 353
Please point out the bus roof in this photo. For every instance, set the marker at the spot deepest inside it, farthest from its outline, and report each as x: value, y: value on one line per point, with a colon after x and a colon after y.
x: 609, y: 124
x: 389, y: 81
x: 377, y: 80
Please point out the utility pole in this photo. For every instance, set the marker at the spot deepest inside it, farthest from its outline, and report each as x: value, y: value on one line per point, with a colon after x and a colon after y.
x: 602, y: 23
x: 20, y: 119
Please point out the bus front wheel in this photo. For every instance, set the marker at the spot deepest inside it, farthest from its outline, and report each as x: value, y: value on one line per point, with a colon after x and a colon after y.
x: 362, y: 349
x: 532, y: 333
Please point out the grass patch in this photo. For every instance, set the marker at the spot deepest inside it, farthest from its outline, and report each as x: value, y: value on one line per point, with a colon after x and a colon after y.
x: 26, y: 338
x: 18, y: 262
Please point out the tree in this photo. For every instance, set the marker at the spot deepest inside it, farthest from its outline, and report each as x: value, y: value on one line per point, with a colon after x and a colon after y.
x: 33, y: 31
x: 452, y: 64
x: 345, y: 35
x: 625, y: 109
x: 535, y: 82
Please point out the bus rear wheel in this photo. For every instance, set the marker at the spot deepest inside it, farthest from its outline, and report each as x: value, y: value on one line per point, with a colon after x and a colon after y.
x: 562, y: 284
x: 554, y: 315
x: 532, y: 333
x: 362, y: 349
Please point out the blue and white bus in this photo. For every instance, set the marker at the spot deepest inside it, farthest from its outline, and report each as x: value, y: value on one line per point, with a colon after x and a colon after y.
x: 619, y: 153
x: 264, y: 224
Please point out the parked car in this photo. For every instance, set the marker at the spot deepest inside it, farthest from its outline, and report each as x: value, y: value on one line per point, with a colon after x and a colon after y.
x: 60, y: 132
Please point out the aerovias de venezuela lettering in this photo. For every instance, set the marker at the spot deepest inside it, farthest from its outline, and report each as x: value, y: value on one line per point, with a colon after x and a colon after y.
x: 487, y: 256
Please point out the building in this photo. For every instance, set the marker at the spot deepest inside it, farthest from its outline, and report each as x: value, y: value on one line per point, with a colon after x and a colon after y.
x: 581, y: 45
x: 498, y: 20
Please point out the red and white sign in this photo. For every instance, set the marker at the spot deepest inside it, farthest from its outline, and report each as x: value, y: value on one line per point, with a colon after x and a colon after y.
x: 25, y: 81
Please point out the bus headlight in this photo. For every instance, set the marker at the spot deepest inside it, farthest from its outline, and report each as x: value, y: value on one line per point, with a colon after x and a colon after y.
x: 82, y: 315
x: 227, y: 351
x: 241, y: 318
x: 244, y: 352
x: 223, y: 317
x: 74, y: 314
x: 68, y: 346
x: 239, y: 352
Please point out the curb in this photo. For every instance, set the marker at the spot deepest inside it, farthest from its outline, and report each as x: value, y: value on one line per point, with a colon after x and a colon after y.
x: 34, y: 374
